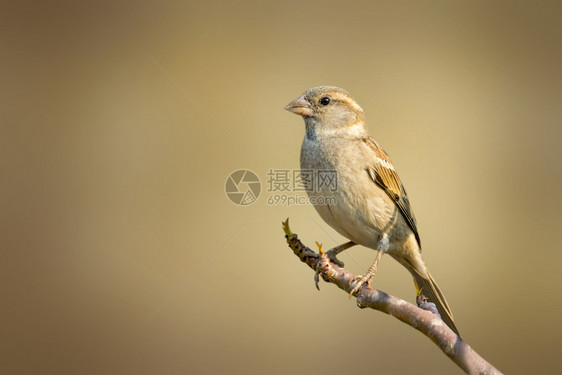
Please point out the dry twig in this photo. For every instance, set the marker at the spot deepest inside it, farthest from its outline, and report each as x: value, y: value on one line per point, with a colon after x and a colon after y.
x: 423, y: 320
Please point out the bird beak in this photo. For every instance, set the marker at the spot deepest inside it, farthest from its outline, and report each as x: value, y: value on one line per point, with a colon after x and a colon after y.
x: 300, y: 106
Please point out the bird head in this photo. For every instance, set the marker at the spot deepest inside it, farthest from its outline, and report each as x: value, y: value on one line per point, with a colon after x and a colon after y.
x: 329, y: 109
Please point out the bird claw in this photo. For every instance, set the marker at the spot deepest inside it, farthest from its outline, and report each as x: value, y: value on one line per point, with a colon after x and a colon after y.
x: 359, y: 281
x: 367, y: 277
x: 317, y: 279
x: 322, y: 253
x: 332, y: 255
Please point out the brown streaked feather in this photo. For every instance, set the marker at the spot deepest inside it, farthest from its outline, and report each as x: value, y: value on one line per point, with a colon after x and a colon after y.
x: 383, y: 174
x: 430, y: 289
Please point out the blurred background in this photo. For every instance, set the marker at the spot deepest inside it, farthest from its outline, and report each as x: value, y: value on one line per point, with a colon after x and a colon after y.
x: 121, y: 121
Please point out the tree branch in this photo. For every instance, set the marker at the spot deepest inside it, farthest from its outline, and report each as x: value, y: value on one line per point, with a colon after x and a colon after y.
x: 422, y: 320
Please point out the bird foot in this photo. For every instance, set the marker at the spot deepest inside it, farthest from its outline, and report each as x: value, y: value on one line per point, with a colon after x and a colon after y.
x: 330, y: 256
x: 333, y: 256
x: 360, y: 280
x: 322, y: 254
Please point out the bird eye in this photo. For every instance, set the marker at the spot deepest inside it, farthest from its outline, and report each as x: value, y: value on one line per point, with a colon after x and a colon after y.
x: 325, y: 100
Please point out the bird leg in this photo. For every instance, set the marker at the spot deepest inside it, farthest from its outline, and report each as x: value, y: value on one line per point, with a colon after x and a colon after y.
x: 382, y: 246
x: 333, y: 253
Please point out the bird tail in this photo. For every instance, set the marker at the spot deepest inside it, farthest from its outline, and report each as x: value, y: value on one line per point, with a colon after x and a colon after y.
x: 429, y: 288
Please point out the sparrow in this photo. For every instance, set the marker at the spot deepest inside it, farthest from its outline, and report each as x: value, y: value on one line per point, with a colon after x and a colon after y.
x: 369, y: 206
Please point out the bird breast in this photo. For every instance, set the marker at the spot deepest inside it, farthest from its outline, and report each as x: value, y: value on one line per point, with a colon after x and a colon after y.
x: 358, y: 208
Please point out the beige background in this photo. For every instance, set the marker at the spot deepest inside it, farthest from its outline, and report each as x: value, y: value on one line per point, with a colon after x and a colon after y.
x: 121, y: 254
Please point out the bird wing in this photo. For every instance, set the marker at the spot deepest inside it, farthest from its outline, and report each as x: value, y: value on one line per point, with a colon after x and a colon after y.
x: 383, y: 174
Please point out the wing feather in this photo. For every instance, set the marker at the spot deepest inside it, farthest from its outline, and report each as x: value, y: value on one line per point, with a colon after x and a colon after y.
x: 383, y: 174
